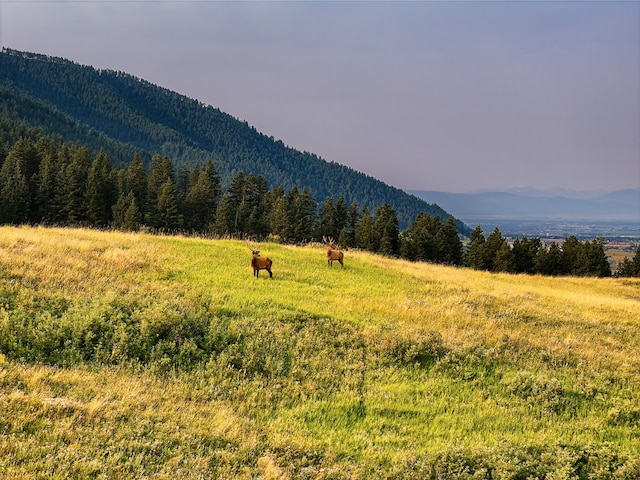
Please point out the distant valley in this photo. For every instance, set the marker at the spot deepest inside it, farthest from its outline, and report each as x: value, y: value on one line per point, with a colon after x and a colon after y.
x: 530, y: 212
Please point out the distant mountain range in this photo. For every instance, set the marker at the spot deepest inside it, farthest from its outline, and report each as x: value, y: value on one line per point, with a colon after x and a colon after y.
x: 527, y: 203
x: 125, y: 115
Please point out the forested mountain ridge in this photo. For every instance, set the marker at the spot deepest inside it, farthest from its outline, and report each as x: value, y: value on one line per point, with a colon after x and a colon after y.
x: 125, y: 115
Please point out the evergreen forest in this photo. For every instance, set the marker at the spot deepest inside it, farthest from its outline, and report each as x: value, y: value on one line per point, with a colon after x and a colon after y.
x: 50, y: 182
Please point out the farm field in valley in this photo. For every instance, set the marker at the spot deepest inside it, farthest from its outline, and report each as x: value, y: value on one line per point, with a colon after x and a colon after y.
x: 127, y: 355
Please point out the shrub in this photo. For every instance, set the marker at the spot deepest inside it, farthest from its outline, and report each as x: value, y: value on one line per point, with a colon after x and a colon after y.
x: 539, y: 389
x: 412, y: 347
x: 623, y: 413
x: 509, y: 461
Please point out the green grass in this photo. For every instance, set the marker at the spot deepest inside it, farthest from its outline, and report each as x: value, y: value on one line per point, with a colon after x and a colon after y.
x: 138, y: 356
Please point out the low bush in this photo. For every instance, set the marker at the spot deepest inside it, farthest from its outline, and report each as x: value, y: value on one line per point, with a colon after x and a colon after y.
x: 539, y: 389
x: 410, y: 347
x: 511, y: 462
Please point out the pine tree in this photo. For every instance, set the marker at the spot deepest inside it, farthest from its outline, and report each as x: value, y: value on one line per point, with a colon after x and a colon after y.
x: 630, y: 267
x: 186, y: 177
x: 225, y: 216
x: 14, y: 190
x: 408, y: 245
x: 592, y: 260
x: 343, y: 238
x: 386, y: 232
x: 214, y: 179
x: 341, y: 219
x: 252, y: 211
x: 571, y: 252
x: 549, y: 261
x: 279, y: 215
x: 126, y: 214
x: 353, y: 218
x: 328, y: 219
x: 474, y: 257
x: 492, y: 245
x: 47, y: 189
x: 51, y: 191
x: 364, y: 232
x: 235, y: 195
x: 635, y: 263
x: 119, y: 210
x: 25, y: 159
x: 418, y: 241
x: 160, y: 171
x: 504, y: 261
x: 304, y: 214
x: 100, y: 192
x: 524, y: 254
x: 430, y: 248
x: 132, y: 216
x: 200, y: 203
x: 448, y: 243
x: 136, y: 181
x: 168, y: 207
x: 72, y: 182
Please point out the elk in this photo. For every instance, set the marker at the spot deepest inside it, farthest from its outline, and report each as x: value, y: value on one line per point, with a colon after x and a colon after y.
x: 258, y: 263
x: 332, y: 253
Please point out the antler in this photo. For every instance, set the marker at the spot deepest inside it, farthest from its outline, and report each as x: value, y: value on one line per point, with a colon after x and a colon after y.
x: 255, y: 247
x: 327, y: 240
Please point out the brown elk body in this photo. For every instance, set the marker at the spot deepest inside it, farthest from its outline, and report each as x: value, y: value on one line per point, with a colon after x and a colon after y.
x: 332, y: 253
x: 258, y: 263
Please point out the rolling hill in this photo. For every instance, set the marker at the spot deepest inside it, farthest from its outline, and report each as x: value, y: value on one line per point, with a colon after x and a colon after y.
x: 123, y: 115
x: 129, y: 355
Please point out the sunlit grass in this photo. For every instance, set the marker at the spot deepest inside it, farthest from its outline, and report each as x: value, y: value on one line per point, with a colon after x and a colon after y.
x: 155, y: 356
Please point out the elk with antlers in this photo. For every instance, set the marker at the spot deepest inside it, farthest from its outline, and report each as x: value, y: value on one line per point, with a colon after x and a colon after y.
x: 257, y: 262
x: 332, y: 253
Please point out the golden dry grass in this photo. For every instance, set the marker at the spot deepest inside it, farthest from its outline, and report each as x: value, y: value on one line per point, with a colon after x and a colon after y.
x: 340, y: 373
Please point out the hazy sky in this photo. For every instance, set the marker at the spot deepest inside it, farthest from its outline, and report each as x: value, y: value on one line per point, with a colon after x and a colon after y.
x: 452, y: 96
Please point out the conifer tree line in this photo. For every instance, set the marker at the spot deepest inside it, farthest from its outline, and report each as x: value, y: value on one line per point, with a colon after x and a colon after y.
x: 45, y: 181
x: 531, y: 255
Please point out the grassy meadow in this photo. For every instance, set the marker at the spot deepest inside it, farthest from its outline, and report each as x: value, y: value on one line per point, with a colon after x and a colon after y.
x: 139, y: 356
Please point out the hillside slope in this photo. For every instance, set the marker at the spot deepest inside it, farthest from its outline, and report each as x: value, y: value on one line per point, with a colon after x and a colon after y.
x: 123, y: 114
x: 138, y: 356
